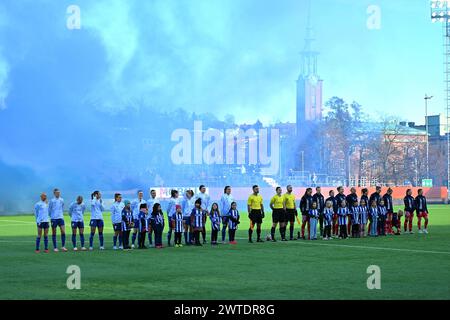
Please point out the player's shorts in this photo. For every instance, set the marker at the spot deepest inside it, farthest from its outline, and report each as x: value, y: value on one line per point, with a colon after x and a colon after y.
x: 77, y: 224
x: 43, y: 225
x: 117, y: 226
x: 57, y: 223
x: 187, y: 221
x: 136, y: 223
x: 423, y: 214
x: 290, y: 215
x: 96, y: 223
x: 408, y: 214
x: 305, y: 218
x: 335, y: 217
x: 255, y: 216
x: 278, y: 215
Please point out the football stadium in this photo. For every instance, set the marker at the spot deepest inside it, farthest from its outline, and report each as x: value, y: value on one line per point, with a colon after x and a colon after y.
x: 224, y: 150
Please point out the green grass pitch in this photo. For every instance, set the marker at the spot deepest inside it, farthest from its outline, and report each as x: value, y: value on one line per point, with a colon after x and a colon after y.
x: 412, y: 267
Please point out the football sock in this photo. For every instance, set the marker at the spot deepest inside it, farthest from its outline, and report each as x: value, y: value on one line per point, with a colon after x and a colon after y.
x: 45, y: 243
x: 100, y: 237
x: 250, y: 232
x: 91, y: 240
x: 38, y: 243
x: 115, y: 240
x: 272, y: 232
x: 63, y: 240
x: 74, y: 240
x: 82, y: 239
x: 54, y: 240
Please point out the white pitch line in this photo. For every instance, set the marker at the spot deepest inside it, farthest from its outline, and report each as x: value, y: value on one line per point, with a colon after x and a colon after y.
x: 308, y: 242
x: 26, y: 222
x: 12, y: 224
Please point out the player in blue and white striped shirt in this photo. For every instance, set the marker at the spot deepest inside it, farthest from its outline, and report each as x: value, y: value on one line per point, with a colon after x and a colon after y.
x: 96, y: 222
x: 42, y: 219
x: 178, y: 225
x: 157, y: 222
x: 198, y: 218
x: 382, y: 216
x: 56, y: 211
x: 342, y: 213
x: 224, y: 206
x: 135, y: 208
x: 214, y: 216
x: 356, y: 219
x: 127, y: 224
x: 328, y: 220
x: 76, y: 212
x: 363, y: 212
x: 313, y: 218
x: 373, y: 217
x: 143, y: 225
x: 233, y: 222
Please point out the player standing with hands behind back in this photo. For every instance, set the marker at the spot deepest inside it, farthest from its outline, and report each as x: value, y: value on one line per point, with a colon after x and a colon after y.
x: 255, y: 209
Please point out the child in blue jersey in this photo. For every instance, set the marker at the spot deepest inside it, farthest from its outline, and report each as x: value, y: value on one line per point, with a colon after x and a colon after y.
x: 187, y: 204
x: 355, y: 220
x: 157, y: 222
x: 373, y: 218
x: 56, y: 212
x: 96, y: 222
x: 313, y: 219
x: 198, y: 219
x: 116, y: 219
x: 76, y: 213
x: 143, y: 225
x: 233, y: 222
x: 214, y: 216
x: 225, y: 205
x: 363, y: 217
x: 382, y: 215
x: 178, y: 225
x: 343, y: 213
x: 135, y: 208
x: 42, y: 220
x: 328, y: 214
x: 127, y: 224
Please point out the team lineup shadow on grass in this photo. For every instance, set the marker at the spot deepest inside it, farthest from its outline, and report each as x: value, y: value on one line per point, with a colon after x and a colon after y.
x: 412, y: 267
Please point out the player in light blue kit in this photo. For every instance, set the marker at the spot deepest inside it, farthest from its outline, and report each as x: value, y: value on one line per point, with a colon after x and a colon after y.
x: 187, y: 204
x: 96, y: 222
x: 204, y: 197
x: 56, y: 211
x: 171, y: 209
x: 116, y: 219
x: 42, y: 219
x: 224, y: 206
x: 135, y: 205
x: 76, y: 213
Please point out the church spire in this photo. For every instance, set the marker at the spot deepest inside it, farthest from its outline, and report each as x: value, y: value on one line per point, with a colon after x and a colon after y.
x: 308, y: 55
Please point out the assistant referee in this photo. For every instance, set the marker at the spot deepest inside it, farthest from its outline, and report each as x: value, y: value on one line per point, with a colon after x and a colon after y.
x: 255, y: 209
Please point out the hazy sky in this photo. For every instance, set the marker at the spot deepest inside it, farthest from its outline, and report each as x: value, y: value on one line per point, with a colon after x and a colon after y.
x: 228, y: 56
